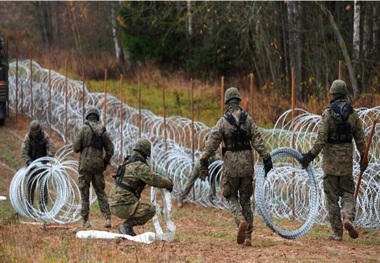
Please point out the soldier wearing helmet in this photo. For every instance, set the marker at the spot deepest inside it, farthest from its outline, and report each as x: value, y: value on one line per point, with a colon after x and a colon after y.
x: 239, y: 134
x: 36, y: 144
x: 125, y: 196
x: 96, y: 149
x: 339, y: 126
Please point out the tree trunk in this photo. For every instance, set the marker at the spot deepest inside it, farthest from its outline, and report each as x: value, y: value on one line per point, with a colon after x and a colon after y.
x: 44, y: 21
x: 116, y: 38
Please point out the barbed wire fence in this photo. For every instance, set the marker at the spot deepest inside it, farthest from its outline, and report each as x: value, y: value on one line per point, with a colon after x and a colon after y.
x: 58, y: 102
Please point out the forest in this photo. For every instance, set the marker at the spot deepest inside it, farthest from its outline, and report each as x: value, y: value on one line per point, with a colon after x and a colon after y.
x: 320, y: 40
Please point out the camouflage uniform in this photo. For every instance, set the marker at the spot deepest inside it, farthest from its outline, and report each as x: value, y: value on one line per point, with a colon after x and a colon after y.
x: 93, y: 161
x: 36, y: 144
x: 238, y: 168
x: 124, y: 198
x: 194, y: 176
x: 337, y: 162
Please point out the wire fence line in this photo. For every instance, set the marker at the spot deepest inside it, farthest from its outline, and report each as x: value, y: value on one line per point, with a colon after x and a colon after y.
x: 176, y: 141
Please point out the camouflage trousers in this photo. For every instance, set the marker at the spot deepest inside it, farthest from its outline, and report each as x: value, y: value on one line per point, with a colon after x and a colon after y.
x: 238, y: 192
x: 339, y: 194
x: 137, y: 214
x: 84, y: 184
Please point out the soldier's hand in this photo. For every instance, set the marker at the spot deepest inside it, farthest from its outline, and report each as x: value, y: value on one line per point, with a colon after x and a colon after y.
x: 203, y: 172
x: 268, y: 165
x: 170, y: 188
x: 363, y: 166
x: 105, y: 164
x: 306, y: 159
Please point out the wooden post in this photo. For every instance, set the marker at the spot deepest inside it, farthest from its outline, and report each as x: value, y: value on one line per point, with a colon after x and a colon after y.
x: 251, y: 88
x: 139, y: 89
x: 192, y: 118
x: 293, y: 143
x: 365, y: 157
x: 121, y: 157
x: 222, y: 96
x: 105, y: 99
x: 164, y: 113
x: 31, y: 83
x: 340, y: 70
x: 83, y: 96
x: 66, y: 100
x: 16, y: 79
x: 50, y: 93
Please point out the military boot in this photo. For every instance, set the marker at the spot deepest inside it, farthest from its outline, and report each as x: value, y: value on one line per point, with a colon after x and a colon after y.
x: 127, y: 229
x: 86, y: 222
x: 247, y: 241
x: 107, y: 224
x: 350, y: 228
x: 335, y: 237
x: 241, y: 231
x: 180, y: 201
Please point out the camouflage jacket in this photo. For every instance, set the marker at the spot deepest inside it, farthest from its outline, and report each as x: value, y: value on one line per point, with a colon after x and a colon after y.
x: 34, y: 148
x: 137, y: 175
x: 338, y: 157
x: 235, y: 163
x: 92, y: 159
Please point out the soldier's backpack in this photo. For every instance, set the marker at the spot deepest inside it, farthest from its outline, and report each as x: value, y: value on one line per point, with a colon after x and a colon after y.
x: 341, y: 112
x: 240, y: 140
x: 96, y: 139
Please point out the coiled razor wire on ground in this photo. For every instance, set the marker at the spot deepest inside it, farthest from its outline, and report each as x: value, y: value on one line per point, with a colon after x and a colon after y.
x: 307, y: 206
x: 58, y: 176
x: 173, y: 158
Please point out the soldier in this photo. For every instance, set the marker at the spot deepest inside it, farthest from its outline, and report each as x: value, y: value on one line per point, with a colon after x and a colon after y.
x: 239, y: 133
x: 194, y: 176
x: 125, y: 195
x: 36, y: 144
x: 90, y: 141
x: 340, y: 124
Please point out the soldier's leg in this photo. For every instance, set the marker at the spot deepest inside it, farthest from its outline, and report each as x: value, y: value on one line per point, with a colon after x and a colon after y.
x: 84, y: 187
x: 230, y: 192
x: 331, y: 189
x: 347, y: 187
x: 99, y: 186
x: 189, y: 184
x: 246, y: 191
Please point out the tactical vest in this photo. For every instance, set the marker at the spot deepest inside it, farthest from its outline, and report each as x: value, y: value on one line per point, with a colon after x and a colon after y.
x: 138, y: 186
x: 341, y: 111
x: 96, y: 139
x: 240, y: 140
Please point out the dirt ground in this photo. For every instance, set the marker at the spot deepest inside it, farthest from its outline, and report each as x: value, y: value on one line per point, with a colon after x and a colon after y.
x: 202, y: 234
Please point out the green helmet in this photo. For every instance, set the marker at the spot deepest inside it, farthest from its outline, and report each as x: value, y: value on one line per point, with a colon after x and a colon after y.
x: 35, y: 126
x: 231, y: 93
x: 143, y: 146
x: 92, y: 110
x: 338, y: 87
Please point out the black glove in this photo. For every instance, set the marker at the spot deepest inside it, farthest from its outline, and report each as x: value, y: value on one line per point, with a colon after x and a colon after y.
x: 306, y: 159
x: 268, y: 165
x: 203, y: 171
x: 170, y: 188
x: 28, y: 162
x: 44, y: 162
x: 363, y: 166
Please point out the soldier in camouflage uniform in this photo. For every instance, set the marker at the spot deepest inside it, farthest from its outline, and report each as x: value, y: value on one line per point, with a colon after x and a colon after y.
x: 194, y: 176
x: 239, y: 133
x: 340, y: 124
x: 36, y: 144
x: 96, y: 149
x: 124, y: 198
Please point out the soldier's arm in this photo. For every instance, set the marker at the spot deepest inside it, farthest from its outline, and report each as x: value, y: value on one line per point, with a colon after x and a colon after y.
x: 152, y: 178
x: 323, y: 134
x: 108, y: 147
x: 257, y: 140
x: 49, y: 146
x: 78, y: 141
x: 213, y: 141
x: 358, y: 133
x: 25, y: 149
